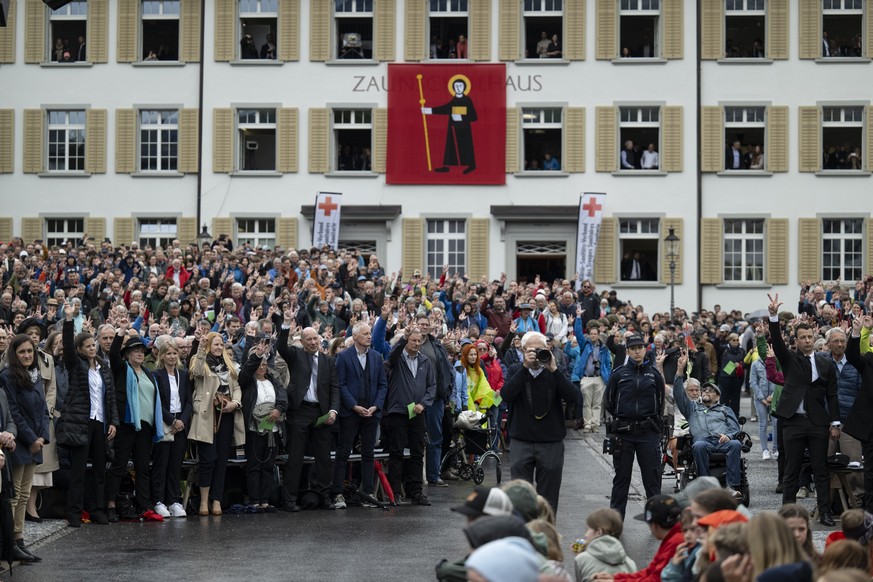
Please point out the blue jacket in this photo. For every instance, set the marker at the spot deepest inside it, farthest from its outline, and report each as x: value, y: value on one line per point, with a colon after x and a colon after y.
x: 379, y: 344
x: 30, y: 413
x: 572, y: 354
x: 848, y: 384
x: 351, y: 381
x: 459, y: 398
x: 585, y: 349
x: 761, y: 387
x: 704, y: 421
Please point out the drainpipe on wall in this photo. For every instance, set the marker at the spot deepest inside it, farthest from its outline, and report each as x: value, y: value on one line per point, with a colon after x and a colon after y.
x: 699, y: 159
x: 200, y: 114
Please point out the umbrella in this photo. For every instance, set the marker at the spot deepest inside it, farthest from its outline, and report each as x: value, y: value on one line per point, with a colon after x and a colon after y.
x: 7, y: 529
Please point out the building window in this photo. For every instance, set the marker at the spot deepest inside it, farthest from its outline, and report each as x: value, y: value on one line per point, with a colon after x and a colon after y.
x: 639, y: 31
x: 842, y: 134
x: 157, y: 232
x: 66, y: 141
x: 257, y: 25
x: 160, y: 30
x: 256, y: 232
x: 60, y: 230
x: 639, y: 240
x: 744, y: 250
x: 352, y: 135
x: 446, y: 245
x: 256, y: 132
x: 744, y: 29
x: 842, y: 249
x: 448, y: 29
x: 354, y: 29
x: 365, y: 248
x: 158, y: 141
x: 842, y: 22
x: 639, y: 135
x: 543, y: 25
x: 67, y: 30
x: 541, y: 132
x: 744, y: 130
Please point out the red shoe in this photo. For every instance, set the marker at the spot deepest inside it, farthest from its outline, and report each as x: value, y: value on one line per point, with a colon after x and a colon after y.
x: 150, y: 515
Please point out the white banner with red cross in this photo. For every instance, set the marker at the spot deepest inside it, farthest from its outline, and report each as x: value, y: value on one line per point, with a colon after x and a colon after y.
x: 590, y: 216
x: 326, y: 226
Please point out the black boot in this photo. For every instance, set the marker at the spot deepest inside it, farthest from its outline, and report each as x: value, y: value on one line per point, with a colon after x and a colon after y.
x: 20, y: 545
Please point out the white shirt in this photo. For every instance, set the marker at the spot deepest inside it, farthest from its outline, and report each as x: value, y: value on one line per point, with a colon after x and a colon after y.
x: 266, y: 392
x: 362, y: 357
x: 95, y: 389
x: 175, y: 400
x: 650, y: 160
x: 411, y: 362
x: 312, y: 393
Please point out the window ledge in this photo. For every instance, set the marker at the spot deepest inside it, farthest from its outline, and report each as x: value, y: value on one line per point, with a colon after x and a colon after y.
x: 743, y: 285
x: 745, y: 173
x: 639, y: 61
x: 844, y: 173
x: 338, y: 174
x: 352, y: 63
x: 65, y: 175
x: 257, y: 63
x: 256, y: 174
x: 843, y: 60
x: 542, y: 174
x: 146, y: 64
x: 168, y: 174
x: 55, y: 64
x: 748, y: 61
x: 640, y: 285
x: 540, y: 62
x: 638, y: 173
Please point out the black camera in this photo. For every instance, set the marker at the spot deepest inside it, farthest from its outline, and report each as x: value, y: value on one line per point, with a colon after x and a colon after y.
x: 544, y: 356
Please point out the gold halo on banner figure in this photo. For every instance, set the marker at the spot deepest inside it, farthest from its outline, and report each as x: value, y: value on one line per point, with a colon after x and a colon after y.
x: 459, y: 77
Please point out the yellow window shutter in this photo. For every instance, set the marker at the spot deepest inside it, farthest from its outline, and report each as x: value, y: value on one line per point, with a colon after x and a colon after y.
x: 671, y: 139
x: 98, y: 31
x: 319, y: 31
x: 509, y: 45
x: 869, y: 148
x: 415, y: 45
x: 480, y: 30
x: 128, y: 31
x: 7, y: 39
x: 478, y: 230
x: 868, y: 35
x: 225, y: 30
x: 95, y: 226
x: 6, y: 231
x: 513, y: 128
x: 122, y: 231
x: 809, y: 249
x: 385, y: 22
x: 671, y: 13
x: 35, y: 17
x: 286, y: 232
x: 287, y: 139
x: 95, y: 141
x: 413, y: 245
x: 186, y: 229
x: 711, y: 141
x: 810, y: 30
x: 189, y: 26
x: 676, y: 225
x: 125, y: 141
x: 7, y: 142
x: 31, y: 229
x: 222, y: 225
x: 777, y: 251
x: 777, y: 138
x: 189, y: 148
x: 34, y: 134
x: 380, y: 140
x: 606, y: 142
x: 607, y: 19
x: 605, y: 255
x: 574, y: 30
x: 777, y: 31
x: 222, y: 140
x: 319, y: 140
x: 868, y: 243
x: 711, y: 16
x: 809, y: 145
x: 289, y: 30
x: 710, y: 251
x: 574, y: 140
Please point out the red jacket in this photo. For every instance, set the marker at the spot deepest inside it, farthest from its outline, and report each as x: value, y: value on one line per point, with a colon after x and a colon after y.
x: 652, y: 572
x: 493, y: 372
x: 184, y: 275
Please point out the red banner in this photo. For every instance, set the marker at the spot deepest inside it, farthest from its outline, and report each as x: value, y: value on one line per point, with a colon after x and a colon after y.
x: 446, y: 124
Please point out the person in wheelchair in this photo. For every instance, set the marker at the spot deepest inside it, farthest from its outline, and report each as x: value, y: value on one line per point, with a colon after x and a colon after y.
x: 713, y: 427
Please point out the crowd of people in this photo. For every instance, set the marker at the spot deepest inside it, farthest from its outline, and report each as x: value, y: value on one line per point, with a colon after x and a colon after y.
x: 219, y: 351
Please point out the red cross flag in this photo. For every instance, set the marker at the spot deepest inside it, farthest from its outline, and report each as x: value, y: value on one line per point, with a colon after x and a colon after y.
x: 325, y: 227
x: 590, y: 215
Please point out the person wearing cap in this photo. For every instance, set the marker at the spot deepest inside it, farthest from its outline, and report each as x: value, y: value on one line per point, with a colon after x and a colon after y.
x: 485, y: 501
x: 525, y: 321
x: 635, y: 401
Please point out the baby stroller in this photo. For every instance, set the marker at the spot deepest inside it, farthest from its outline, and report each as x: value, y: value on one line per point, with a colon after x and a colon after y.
x: 474, y: 435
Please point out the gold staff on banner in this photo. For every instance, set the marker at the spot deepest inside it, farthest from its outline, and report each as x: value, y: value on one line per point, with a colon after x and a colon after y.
x: 424, y: 121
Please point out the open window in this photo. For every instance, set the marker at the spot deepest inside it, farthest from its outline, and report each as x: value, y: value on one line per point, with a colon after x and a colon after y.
x: 353, y: 140
x: 639, y: 241
x: 745, y: 29
x: 257, y: 29
x: 842, y: 136
x: 542, y: 131
x: 745, y: 128
x: 639, y: 137
x: 256, y: 138
x: 842, y: 249
x: 448, y: 29
x: 68, y: 27
x: 66, y: 141
x: 743, y: 250
x: 543, y: 27
x: 354, y: 29
x: 842, y: 24
x: 160, y: 30
x: 158, y: 140
x: 639, y: 29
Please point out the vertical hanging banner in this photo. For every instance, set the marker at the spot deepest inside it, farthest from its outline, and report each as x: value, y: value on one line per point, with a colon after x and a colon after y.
x: 326, y: 225
x: 446, y: 124
x: 590, y: 216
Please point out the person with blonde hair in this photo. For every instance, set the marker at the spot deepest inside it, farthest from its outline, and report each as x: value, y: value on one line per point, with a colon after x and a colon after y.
x: 545, y: 511
x: 844, y: 554
x: 771, y: 545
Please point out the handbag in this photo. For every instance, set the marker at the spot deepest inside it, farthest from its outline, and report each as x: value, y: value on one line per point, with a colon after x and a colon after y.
x: 169, y: 435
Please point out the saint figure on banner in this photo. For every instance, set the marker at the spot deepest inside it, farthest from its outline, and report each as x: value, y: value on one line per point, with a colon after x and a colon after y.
x: 459, y: 149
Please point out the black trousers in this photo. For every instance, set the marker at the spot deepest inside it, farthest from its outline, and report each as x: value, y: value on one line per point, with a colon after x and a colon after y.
x: 448, y: 428
x: 129, y: 441
x: 167, y: 469
x: 801, y: 434
x: 96, y: 451
x: 867, y: 451
x: 730, y: 395
x: 403, y: 432
x: 260, y: 462
x: 541, y: 464
x: 349, y: 428
x: 646, y: 447
x: 212, y: 458
x: 301, y: 430
x: 780, y: 446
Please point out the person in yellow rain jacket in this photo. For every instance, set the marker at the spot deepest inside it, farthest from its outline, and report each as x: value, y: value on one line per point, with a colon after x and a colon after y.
x: 480, y: 396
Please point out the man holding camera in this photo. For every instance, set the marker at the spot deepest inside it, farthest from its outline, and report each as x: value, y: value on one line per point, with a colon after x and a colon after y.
x: 635, y: 401
x: 536, y: 419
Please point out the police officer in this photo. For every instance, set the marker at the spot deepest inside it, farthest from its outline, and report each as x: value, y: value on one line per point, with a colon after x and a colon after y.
x: 635, y: 401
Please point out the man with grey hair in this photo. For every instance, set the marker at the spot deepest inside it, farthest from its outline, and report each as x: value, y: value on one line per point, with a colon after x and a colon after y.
x: 536, y: 426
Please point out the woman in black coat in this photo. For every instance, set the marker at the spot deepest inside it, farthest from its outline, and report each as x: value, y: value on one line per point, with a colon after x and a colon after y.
x: 85, y: 426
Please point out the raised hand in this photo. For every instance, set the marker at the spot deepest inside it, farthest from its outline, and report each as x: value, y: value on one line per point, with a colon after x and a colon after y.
x: 773, y: 307
x: 683, y: 361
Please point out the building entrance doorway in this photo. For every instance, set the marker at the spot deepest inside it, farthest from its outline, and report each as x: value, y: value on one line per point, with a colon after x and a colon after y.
x: 548, y: 259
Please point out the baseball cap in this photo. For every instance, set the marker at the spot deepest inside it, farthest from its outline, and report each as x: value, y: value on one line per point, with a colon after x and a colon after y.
x: 725, y: 328
x: 485, y: 501
x: 635, y: 340
x: 661, y: 510
x: 722, y: 517
x: 712, y: 385
x: 525, y: 306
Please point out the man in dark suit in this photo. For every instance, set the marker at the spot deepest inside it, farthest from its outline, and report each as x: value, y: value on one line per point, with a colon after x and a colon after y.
x: 858, y: 423
x: 312, y: 394
x: 810, y: 409
x: 363, y: 386
x: 733, y: 156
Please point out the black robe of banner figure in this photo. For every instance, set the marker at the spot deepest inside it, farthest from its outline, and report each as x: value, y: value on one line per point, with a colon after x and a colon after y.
x: 459, y: 134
